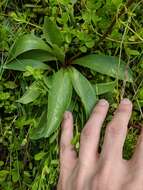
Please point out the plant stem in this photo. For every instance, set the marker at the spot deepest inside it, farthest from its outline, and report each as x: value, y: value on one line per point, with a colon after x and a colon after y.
x: 121, y: 12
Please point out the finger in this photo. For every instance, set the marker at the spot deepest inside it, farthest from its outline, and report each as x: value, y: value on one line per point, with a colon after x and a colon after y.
x: 138, y: 154
x: 67, y: 152
x: 116, y: 132
x: 91, y: 133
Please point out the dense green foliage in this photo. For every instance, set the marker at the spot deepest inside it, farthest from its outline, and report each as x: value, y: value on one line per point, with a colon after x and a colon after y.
x: 58, y: 55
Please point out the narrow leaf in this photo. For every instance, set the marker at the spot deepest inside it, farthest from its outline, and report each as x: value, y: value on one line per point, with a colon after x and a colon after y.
x: 31, y: 94
x: 58, y: 53
x: 102, y: 88
x: 51, y: 32
x: 39, y: 156
x: 58, y: 101
x: 39, y: 130
x: 84, y: 89
x: 107, y: 65
x: 21, y: 65
x: 26, y: 43
x: 40, y: 55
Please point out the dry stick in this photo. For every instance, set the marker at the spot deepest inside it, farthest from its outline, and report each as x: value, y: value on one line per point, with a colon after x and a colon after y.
x: 121, y: 12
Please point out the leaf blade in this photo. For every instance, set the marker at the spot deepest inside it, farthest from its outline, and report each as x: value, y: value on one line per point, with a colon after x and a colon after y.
x: 26, y: 43
x: 20, y: 65
x: 84, y: 89
x: 40, y: 55
x: 51, y: 32
x: 39, y: 131
x: 107, y: 65
x: 102, y: 88
x: 58, y: 100
x: 58, y: 104
x: 58, y: 53
x: 31, y: 94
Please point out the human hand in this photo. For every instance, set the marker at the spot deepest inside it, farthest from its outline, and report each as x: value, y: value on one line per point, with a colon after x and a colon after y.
x: 107, y: 170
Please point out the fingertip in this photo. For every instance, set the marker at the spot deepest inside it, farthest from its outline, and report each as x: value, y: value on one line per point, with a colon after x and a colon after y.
x: 103, y: 102
x: 67, y: 114
x: 126, y: 101
x: 125, y: 105
x: 66, y: 118
x: 101, y: 107
x: 67, y: 127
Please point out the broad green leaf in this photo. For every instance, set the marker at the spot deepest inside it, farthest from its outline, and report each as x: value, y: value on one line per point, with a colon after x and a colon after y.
x: 58, y: 101
x: 31, y: 94
x: 73, y: 1
x: 10, y: 85
x: 40, y: 55
x: 140, y: 94
x: 84, y: 89
x: 39, y: 155
x: 132, y: 52
x: 107, y: 65
x: 117, y: 2
x: 48, y: 81
x: 3, y: 175
x: 35, y: 184
x: 52, y: 33
x: 26, y: 43
x: 102, y: 88
x: 39, y: 130
x: 22, y: 64
x: 58, y: 53
x: 15, y: 175
x: 1, y: 163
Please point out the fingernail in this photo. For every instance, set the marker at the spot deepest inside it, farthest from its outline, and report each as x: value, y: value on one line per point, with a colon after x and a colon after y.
x: 125, y: 101
x: 66, y: 115
x: 103, y: 102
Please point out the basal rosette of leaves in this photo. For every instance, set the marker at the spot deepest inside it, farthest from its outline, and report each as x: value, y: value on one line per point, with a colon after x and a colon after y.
x: 30, y: 51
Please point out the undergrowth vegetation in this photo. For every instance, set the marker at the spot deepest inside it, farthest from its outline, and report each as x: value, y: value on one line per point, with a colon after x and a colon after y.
x: 59, y: 55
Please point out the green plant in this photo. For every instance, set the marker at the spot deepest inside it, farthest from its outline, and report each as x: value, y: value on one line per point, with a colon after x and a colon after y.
x: 60, y: 73
x: 87, y: 27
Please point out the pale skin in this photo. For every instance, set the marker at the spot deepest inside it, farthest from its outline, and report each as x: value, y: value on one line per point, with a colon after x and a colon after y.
x: 107, y: 170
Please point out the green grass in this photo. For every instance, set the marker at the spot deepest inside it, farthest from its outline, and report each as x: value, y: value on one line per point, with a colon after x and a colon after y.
x: 27, y: 164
